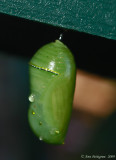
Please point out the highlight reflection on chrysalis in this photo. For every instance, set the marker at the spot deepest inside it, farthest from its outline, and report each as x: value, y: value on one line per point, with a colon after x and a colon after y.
x: 52, y: 73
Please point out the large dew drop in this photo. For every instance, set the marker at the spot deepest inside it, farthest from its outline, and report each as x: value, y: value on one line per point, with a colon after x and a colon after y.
x: 31, y: 98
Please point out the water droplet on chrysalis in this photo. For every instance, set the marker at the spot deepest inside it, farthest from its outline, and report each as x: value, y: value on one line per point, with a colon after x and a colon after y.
x: 40, y: 138
x: 54, y: 131
x: 31, y: 98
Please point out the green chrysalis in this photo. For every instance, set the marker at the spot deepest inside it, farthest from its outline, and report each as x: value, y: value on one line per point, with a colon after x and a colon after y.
x: 52, y: 73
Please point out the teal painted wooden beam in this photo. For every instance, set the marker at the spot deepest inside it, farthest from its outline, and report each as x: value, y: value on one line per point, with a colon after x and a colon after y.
x: 97, y: 17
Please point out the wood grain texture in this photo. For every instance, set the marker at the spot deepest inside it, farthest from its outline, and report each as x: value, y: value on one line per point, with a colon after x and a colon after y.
x: 97, y: 17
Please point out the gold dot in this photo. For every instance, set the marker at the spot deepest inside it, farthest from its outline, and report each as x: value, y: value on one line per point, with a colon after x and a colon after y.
x: 57, y: 132
x: 40, y: 123
x: 33, y: 112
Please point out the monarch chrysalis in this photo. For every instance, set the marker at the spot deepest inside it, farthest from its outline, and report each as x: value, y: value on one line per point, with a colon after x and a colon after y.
x: 52, y: 81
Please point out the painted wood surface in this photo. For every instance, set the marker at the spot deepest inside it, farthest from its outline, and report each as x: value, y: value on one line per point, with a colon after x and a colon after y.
x: 97, y: 17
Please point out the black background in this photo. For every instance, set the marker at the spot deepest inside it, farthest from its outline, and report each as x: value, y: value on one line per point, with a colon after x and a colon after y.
x: 24, y: 38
